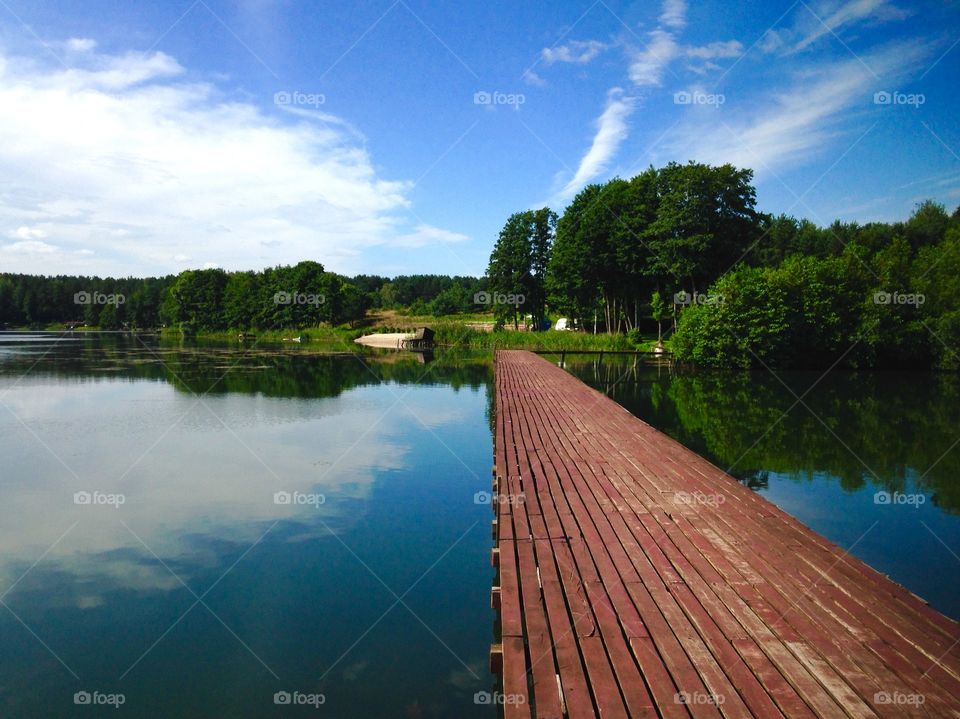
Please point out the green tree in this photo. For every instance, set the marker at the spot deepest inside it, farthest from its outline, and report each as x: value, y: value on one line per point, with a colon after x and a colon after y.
x: 512, y: 272
x: 658, y: 313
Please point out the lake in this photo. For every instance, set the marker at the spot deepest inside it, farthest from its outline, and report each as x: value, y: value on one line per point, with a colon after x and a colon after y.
x: 869, y: 460
x: 205, y: 530
x: 198, y: 531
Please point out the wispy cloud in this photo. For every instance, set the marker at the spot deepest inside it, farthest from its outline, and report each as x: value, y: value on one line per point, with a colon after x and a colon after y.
x: 814, y: 22
x: 578, y: 52
x: 124, y: 165
x: 612, y: 130
x: 532, y: 78
x: 729, y: 48
x: 798, y: 120
x: 648, y: 64
x: 674, y: 14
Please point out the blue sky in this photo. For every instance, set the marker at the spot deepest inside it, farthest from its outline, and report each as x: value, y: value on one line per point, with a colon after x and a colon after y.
x: 396, y: 137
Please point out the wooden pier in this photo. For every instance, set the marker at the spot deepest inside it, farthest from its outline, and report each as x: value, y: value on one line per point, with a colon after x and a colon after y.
x: 636, y: 579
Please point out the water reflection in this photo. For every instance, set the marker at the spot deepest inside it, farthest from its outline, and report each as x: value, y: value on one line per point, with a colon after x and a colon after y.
x: 198, y: 441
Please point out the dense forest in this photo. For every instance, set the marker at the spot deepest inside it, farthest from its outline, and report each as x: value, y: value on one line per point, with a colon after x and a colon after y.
x: 679, y: 252
x: 303, y: 295
x: 684, y: 246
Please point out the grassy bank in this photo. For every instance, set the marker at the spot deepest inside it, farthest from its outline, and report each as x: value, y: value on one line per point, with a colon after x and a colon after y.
x: 311, y: 335
x: 551, y: 340
x: 464, y: 331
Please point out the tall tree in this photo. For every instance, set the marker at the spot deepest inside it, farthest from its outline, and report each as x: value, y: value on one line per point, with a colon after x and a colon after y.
x: 543, y: 232
x: 511, y: 263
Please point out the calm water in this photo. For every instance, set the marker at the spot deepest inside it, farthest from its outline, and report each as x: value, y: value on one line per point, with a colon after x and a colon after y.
x: 188, y: 585
x: 825, y: 459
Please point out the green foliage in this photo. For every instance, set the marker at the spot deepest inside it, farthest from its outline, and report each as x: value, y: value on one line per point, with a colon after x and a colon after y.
x: 668, y: 229
x: 883, y: 301
x: 518, y: 266
x: 39, y: 301
x: 457, y: 334
x: 747, y: 324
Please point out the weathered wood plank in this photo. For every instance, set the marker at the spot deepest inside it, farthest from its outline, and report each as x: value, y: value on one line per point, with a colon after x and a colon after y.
x: 637, y: 579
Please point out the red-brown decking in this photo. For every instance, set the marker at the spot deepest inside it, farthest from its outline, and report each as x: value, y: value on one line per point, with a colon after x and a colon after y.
x: 636, y: 579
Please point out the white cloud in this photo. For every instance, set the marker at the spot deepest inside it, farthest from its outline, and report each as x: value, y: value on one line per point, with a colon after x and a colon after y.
x: 703, y: 68
x: 578, y: 52
x: 532, y: 78
x: 612, y: 130
x: 796, y: 122
x: 828, y: 17
x: 729, y: 48
x: 28, y: 247
x: 28, y: 233
x: 674, y: 14
x: 81, y: 44
x: 424, y: 235
x: 124, y: 157
x: 770, y: 41
x: 649, y: 63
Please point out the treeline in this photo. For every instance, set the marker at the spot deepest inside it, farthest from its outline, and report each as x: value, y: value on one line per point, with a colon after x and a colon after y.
x: 423, y: 294
x: 684, y: 246
x: 37, y: 301
x: 212, y: 299
x: 875, y: 295
x: 665, y: 230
